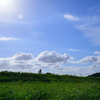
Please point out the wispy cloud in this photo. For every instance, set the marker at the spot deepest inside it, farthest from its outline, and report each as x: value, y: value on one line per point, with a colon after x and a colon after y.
x: 91, y: 29
x: 91, y: 26
x: 74, y: 50
x: 7, y: 39
x: 72, y: 18
x: 96, y: 52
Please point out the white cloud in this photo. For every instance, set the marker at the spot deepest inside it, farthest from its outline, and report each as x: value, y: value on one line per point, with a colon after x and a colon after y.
x: 37, y: 64
x: 4, y: 63
x: 71, y: 70
x: 91, y: 29
x: 96, y: 52
x: 54, y: 66
x: 58, y: 67
x: 19, y: 61
x: 7, y: 39
x: 73, y: 18
x: 88, y: 59
x: 94, y: 67
x: 74, y: 50
x: 52, y: 57
x: 25, y: 63
x: 23, y: 56
x: 22, y: 66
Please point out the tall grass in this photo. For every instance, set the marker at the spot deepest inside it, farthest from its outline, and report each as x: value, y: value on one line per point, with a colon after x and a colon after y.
x: 29, y: 86
x: 49, y: 91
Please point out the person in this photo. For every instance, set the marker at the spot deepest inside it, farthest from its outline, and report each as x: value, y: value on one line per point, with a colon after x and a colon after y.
x: 40, y: 71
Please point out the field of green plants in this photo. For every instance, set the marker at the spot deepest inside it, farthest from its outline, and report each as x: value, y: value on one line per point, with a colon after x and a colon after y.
x: 21, y: 86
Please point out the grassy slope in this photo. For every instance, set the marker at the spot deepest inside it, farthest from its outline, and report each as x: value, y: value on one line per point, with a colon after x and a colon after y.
x: 17, y: 76
x: 28, y: 86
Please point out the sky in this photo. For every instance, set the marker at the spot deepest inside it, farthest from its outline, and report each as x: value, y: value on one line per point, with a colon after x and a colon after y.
x: 57, y: 36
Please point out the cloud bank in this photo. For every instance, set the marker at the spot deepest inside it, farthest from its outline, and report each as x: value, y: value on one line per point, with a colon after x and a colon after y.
x: 49, y: 62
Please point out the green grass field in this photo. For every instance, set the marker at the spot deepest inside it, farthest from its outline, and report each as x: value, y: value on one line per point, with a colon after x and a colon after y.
x: 51, y: 87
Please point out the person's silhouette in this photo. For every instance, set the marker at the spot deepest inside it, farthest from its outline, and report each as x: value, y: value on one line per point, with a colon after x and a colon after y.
x: 40, y: 71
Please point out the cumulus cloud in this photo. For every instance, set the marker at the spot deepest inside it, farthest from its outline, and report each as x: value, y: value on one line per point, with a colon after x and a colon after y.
x: 23, y: 56
x: 24, y: 62
x: 52, y: 57
x: 7, y: 39
x: 53, y: 66
x: 22, y: 66
x: 41, y: 65
x: 84, y: 71
x: 94, y: 67
x: 88, y: 59
x: 37, y: 64
x: 4, y: 63
x: 57, y: 67
x: 96, y: 52
x: 18, y: 62
x: 71, y: 17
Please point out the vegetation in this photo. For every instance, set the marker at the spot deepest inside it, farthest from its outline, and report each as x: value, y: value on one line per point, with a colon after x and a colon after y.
x: 6, y: 76
x: 95, y: 75
x: 30, y: 86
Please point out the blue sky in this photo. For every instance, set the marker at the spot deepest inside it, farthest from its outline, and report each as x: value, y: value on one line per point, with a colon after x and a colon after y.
x: 58, y: 36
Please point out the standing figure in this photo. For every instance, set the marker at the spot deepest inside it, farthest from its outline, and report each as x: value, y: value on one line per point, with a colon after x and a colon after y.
x: 40, y: 71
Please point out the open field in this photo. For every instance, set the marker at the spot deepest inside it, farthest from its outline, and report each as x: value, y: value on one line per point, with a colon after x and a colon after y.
x: 52, y: 89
